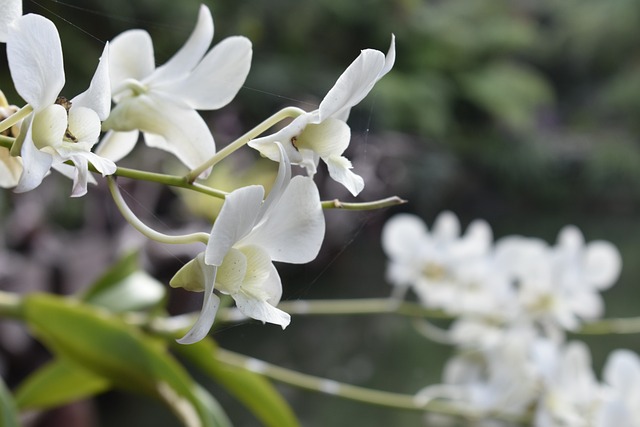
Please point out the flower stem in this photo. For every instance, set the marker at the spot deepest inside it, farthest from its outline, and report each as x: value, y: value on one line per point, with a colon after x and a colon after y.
x: 6, y: 141
x: 15, y: 117
x: 363, y: 206
x: 152, y: 234
x: 348, y: 391
x: 244, y: 139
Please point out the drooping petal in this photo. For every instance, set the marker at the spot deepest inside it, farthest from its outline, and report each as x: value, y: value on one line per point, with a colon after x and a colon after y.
x: 130, y: 57
x: 210, y: 305
x: 36, y: 165
x: 102, y: 165
x: 294, y: 229
x: 354, y: 84
x: 84, y: 124
x: 261, y: 310
x: 231, y: 272
x: 329, y: 138
x: 11, y: 10
x: 70, y: 172
x: 192, y: 276
x: 183, y: 132
x: 34, y: 53
x: 190, y: 53
x: 98, y: 96
x: 116, y: 145
x: 218, y: 78
x: 280, y: 183
x: 340, y: 170
x: 267, y: 147
x: 236, y: 219
x: 80, y: 176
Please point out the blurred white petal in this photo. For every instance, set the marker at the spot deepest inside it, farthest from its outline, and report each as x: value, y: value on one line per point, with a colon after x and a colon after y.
x: 11, y: 10
x: 340, y: 170
x: 98, y: 96
x: 116, y: 145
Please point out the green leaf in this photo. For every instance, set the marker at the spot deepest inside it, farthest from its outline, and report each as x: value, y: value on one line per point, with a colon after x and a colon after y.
x: 124, y: 287
x: 253, y: 390
x: 57, y: 383
x: 8, y: 412
x: 105, y: 345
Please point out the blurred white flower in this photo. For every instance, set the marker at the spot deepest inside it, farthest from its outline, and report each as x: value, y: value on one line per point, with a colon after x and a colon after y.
x: 162, y: 102
x: 323, y: 133
x: 621, y: 377
x: 247, y: 237
x: 571, y: 395
x: 57, y: 130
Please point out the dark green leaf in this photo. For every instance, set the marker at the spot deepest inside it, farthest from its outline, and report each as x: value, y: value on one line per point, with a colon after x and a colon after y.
x: 57, y: 383
x: 8, y: 412
x: 129, y: 359
x: 251, y: 389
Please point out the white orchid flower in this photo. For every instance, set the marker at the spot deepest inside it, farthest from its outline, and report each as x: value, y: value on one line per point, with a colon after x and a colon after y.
x: 10, y: 10
x: 323, y: 133
x: 247, y: 237
x: 162, y: 102
x: 621, y: 377
x: 57, y: 130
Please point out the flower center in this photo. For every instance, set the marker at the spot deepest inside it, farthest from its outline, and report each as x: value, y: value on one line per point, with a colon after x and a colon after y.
x: 68, y: 136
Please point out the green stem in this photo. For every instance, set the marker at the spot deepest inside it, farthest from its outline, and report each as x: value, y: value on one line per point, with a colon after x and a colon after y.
x: 15, y: 117
x: 6, y: 141
x: 363, y: 206
x: 629, y: 325
x: 348, y: 391
x: 244, y: 139
x: 147, y: 231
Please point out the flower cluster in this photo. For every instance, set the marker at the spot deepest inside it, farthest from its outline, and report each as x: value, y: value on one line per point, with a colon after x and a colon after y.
x: 130, y: 98
x: 512, y: 302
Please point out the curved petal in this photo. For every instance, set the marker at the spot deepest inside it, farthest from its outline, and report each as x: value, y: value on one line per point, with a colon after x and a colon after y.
x: 98, y: 96
x: 11, y: 10
x: 80, y: 176
x: 285, y: 136
x: 102, y: 165
x: 130, y: 57
x: 84, y: 124
x: 217, y: 79
x: 190, y: 53
x: 258, y: 271
x: 184, y: 133
x: 192, y: 276
x: 49, y: 126
x: 116, y: 145
x: 36, y: 165
x: 622, y: 371
x: 329, y: 138
x: 340, y: 170
x: 294, y: 229
x: 34, y: 53
x: 210, y: 305
x: 236, y: 219
x: 353, y: 85
x: 279, y: 185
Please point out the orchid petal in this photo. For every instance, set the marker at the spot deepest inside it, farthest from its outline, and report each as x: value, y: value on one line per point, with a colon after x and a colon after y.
x: 267, y: 145
x: 190, y: 53
x: 210, y: 305
x: 236, y: 219
x: 80, y: 177
x: 340, y: 170
x: 84, y: 124
x: 130, y: 57
x: 98, y: 96
x: 11, y: 10
x: 329, y: 138
x: 184, y: 133
x: 49, y: 126
x: 218, y: 78
x: 258, y: 270
x: 622, y: 371
x: 116, y: 145
x: 261, y: 310
x: 34, y: 53
x: 69, y: 171
x: 280, y: 183
x: 294, y: 230
x: 10, y: 169
x: 446, y: 227
x: 102, y: 165
x: 231, y: 271
x: 353, y: 85
x: 192, y: 276
x: 36, y: 165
